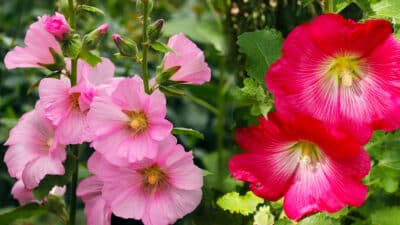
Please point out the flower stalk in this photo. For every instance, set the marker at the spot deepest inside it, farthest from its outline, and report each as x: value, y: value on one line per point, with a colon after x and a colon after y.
x: 146, y: 44
x: 328, y: 6
x: 74, y: 148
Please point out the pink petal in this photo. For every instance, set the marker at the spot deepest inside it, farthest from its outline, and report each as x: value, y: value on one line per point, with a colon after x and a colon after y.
x: 37, y: 169
x: 22, y: 194
x: 130, y: 95
x: 17, y: 157
x: 74, y: 129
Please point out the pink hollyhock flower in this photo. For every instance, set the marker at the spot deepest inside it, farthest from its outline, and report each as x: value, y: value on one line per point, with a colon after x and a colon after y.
x: 33, y: 151
x: 158, y: 191
x: 67, y: 106
x: 314, y: 166
x: 338, y: 70
x: 130, y: 122
x: 193, y: 68
x: 57, y: 25
x: 37, y: 52
x: 24, y: 195
x: 96, y: 209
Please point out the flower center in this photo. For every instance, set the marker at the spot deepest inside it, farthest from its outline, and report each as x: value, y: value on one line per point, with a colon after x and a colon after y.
x: 309, y: 152
x: 74, y: 99
x: 346, y: 68
x: 153, y: 178
x: 138, y: 121
x: 50, y: 142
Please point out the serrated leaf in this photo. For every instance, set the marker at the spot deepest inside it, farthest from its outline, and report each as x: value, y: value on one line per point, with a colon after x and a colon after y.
x: 320, y: 219
x: 161, y: 47
x: 90, y: 58
x: 91, y: 9
x: 49, y: 181
x: 234, y: 203
x: 386, y: 216
x: 262, y: 48
x: 187, y: 131
x: 22, y: 212
x: 388, y: 9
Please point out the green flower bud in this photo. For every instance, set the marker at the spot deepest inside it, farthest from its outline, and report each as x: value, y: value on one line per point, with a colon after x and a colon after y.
x: 155, y: 30
x: 126, y: 46
x: 92, y: 39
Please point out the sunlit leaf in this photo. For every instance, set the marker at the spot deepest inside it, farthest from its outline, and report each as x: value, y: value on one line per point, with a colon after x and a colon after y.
x: 235, y: 203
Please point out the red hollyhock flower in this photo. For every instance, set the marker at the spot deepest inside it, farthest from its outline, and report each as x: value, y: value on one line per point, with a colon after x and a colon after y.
x: 338, y: 70
x: 315, y: 167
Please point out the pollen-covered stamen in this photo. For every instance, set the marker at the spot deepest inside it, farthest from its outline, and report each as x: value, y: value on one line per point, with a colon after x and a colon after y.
x: 138, y: 121
x: 309, y: 152
x: 74, y: 99
x: 153, y: 178
x: 50, y: 142
x: 346, y: 68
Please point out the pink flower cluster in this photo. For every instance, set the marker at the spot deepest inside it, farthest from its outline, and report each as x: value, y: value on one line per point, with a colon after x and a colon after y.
x: 139, y: 170
x: 336, y: 82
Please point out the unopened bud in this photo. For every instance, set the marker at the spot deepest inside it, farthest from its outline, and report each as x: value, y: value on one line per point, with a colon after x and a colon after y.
x: 92, y: 39
x: 57, y: 25
x: 155, y: 29
x: 126, y: 46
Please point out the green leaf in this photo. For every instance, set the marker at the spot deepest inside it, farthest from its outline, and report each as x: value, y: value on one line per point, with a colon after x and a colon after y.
x: 50, y: 181
x: 387, y: 9
x: 203, y: 31
x: 235, y: 203
x: 72, y: 46
x: 264, y: 216
x: 91, y: 9
x: 90, y: 58
x: 305, y: 3
x: 386, y: 216
x: 262, y: 48
x: 22, y: 212
x: 320, y: 219
x: 255, y: 95
x: 339, y: 5
x: 187, y: 131
x: 161, y: 47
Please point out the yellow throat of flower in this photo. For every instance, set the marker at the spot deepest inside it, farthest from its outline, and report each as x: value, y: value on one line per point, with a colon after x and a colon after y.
x: 138, y: 122
x: 153, y: 178
x: 346, y: 68
x: 309, y: 152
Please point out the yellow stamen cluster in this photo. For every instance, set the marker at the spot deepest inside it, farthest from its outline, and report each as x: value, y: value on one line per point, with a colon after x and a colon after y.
x: 138, y: 121
x: 346, y: 68
x: 308, y: 151
x: 153, y: 178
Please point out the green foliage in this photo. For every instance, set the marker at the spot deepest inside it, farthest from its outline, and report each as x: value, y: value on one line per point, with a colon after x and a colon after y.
x: 161, y: 47
x: 386, y: 216
x: 254, y: 94
x: 22, y: 212
x: 72, y: 46
x: 320, y: 219
x: 387, y: 9
x: 90, y: 9
x: 263, y: 216
x: 50, y: 181
x: 235, y: 203
x: 187, y: 131
x: 262, y: 48
x: 90, y: 58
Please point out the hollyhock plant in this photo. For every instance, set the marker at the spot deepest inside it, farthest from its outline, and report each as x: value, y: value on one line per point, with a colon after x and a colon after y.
x: 96, y: 209
x: 24, y: 195
x: 157, y: 191
x: 129, y: 123
x: 67, y: 106
x: 338, y: 70
x: 193, y: 68
x: 34, y: 151
x: 313, y: 166
x: 40, y: 45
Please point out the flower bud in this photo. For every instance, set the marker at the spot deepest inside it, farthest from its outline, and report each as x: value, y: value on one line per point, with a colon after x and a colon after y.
x: 57, y: 25
x: 92, y: 39
x: 155, y: 29
x: 126, y: 46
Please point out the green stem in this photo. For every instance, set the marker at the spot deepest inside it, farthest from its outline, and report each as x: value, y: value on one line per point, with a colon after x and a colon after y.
x: 74, y: 148
x: 145, y: 43
x: 74, y: 183
x: 203, y: 103
x: 328, y: 6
